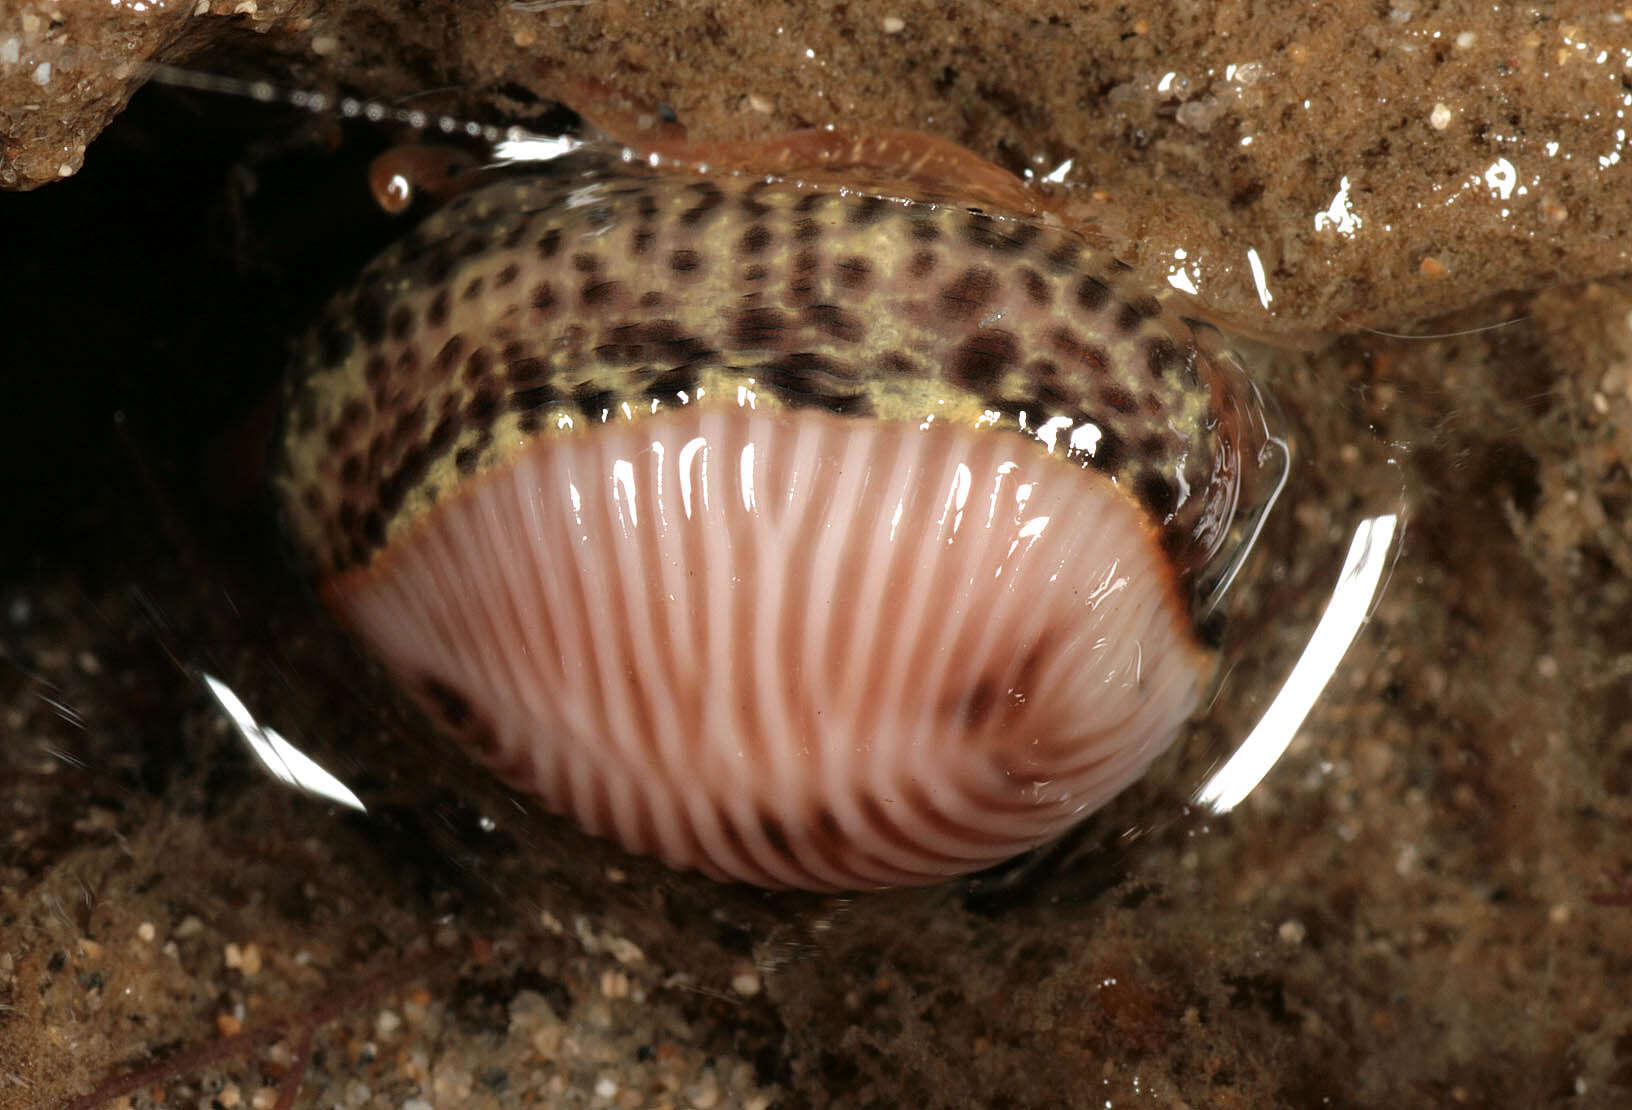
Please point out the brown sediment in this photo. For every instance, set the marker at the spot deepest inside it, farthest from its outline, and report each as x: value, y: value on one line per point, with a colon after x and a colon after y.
x: 1213, y: 131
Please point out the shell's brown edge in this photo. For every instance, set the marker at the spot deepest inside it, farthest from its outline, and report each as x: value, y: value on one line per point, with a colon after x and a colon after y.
x: 598, y: 292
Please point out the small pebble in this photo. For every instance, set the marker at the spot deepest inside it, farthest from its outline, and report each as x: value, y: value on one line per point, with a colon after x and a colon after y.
x: 1440, y: 118
x: 1292, y: 932
x: 614, y: 984
x: 145, y: 932
x: 745, y: 980
x: 894, y: 25
x: 265, y: 1098
x: 625, y: 951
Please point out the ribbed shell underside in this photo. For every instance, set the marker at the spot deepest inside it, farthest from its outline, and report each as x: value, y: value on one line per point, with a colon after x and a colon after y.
x: 789, y: 647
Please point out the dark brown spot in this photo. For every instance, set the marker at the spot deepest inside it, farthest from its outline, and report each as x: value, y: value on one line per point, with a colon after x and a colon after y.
x: 352, y: 414
x: 756, y: 272
x: 835, y: 322
x: 442, y: 364
x: 1118, y: 398
x: 465, y: 459
x: 506, y: 276
x: 593, y: 401
x: 1157, y: 494
x: 531, y: 401
x: 1161, y: 356
x: 478, y: 365
x: 669, y: 383
x: 812, y: 201
x: 374, y: 370
x: 706, y: 205
x: 473, y: 288
x: 925, y: 229
x: 755, y: 239
x: 1036, y: 287
x: 1075, y: 353
x: 602, y: 294
x: 527, y: 369
x: 980, y: 360
x: 442, y: 435
x: 897, y: 363
x: 867, y: 211
x: 437, y: 314
x: 806, y: 379
x: 585, y: 262
x: 334, y: 341
x: 543, y: 298
x: 1136, y: 311
x: 402, y: 323
x: 1064, y: 256
x: 684, y: 261
x: 750, y: 204
x: 440, y: 264
x: 368, y: 313
x: 757, y: 327
x: 923, y: 261
x: 394, y: 487
x: 644, y: 238
x: 968, y: 294
x: 1092, y: 293
x: 807, y: 230
x: 854, y: 272
x: 1109, y: 453
x: 512, y: 238
x: 549, y: 244
x: 483, y: 406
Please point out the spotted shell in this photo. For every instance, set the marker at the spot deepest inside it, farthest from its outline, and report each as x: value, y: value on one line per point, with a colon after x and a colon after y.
x: 801, y: 536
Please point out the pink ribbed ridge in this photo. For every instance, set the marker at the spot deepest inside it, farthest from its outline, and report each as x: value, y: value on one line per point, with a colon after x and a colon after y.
x: 796, y: 649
